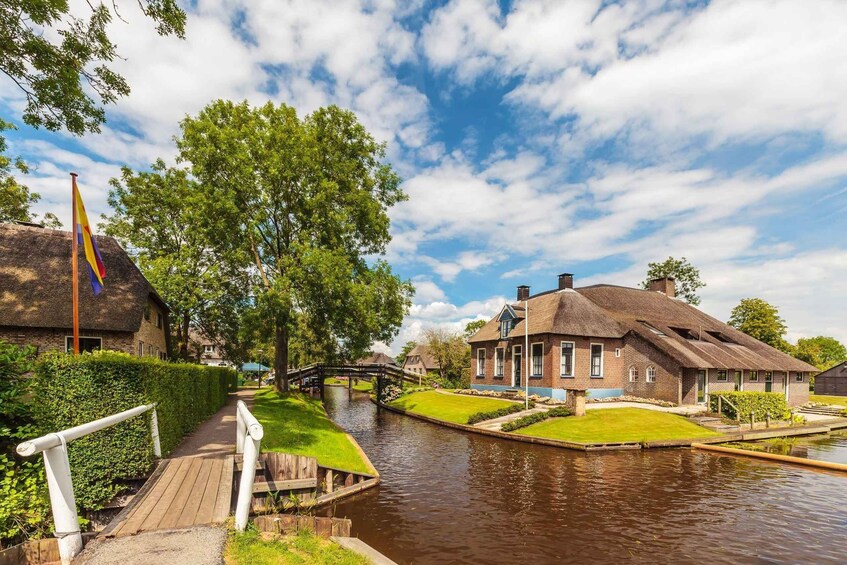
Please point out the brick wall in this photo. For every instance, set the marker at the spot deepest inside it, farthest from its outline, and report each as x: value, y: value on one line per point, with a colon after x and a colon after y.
x: 50, y: 339
x: 641, y: 355
x: 152, y: 336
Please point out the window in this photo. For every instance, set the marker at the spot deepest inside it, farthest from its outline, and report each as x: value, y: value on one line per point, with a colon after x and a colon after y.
x: 158, y: 320
x: 597, y: 360
x: 567, y: 359
x: 719, y: 336
x: 633, y: 374
x: 653, y: 329
x: 149, y: 350
x: 480, y: 362
x: 499, y: 362
x: 147, y: 312
x: 537, y: 351
x: 651, y: 374
x: 685, y: 333
x: 799, y: 377
x: 739, y: 380
x: 85, y: 344
x: 208, y: 349
x: 505, y: 326
x: 141, y: 349
x: 617, y: 352
x: 721, y: 376
x: 768, y: 377
x: 754, y: 376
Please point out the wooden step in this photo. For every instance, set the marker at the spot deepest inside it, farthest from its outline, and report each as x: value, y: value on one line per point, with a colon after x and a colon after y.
x: 290, y: 484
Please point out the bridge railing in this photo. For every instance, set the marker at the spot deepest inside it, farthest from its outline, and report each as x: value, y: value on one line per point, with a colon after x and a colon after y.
x: 248, y: 440
x: 54, y: 448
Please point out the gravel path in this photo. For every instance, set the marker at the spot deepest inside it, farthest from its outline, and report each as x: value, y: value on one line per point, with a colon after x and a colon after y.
x: 194, y: 546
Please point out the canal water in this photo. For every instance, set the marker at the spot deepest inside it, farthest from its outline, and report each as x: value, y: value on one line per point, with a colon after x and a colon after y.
x: 827, y: 447
x: 452, y: 497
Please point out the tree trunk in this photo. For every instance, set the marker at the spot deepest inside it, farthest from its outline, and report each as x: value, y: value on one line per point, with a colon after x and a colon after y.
x: 281, y: 359
x: 183, y: 336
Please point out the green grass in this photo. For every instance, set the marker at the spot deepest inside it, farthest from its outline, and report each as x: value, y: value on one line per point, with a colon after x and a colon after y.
x: 618, y: 425
x: 363, y: 386
x: 449, y: 407
x: 842, y: 400
x: 250, y: 548
x: 334, y: 381
x: 295, y: 423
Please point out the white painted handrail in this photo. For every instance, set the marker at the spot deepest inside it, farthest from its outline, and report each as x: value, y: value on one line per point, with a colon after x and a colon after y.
x: 58, y: 470
x: 248, y: 439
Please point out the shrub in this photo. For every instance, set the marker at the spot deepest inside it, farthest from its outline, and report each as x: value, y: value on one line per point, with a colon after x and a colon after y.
x: 558, y: 412
x: 500, y: 412
x: 71, y: 390
x: 760, y: 403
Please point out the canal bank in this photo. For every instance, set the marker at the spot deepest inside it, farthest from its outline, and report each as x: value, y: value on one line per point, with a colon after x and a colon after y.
x: 453, y: 497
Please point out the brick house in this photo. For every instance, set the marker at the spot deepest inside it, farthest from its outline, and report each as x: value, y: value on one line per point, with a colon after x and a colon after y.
x: 612, y: 340
x: 35, y: 297
x: 419, y: 360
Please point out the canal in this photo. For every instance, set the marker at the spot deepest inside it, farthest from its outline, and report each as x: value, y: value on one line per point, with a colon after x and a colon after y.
x: 453, y: 497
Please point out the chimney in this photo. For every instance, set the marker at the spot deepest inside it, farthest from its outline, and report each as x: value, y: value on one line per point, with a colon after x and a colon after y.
x: 665, y: 285
x: 565, y: 281
x: 523, y: 292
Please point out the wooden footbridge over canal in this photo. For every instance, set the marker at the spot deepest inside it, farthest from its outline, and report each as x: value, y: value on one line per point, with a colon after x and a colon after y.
x: 314, y: 376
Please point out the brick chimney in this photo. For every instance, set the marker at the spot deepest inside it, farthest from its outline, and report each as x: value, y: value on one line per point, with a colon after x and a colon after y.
x: 665, y: 285
x: 523, y: 292
x: 565, y: 281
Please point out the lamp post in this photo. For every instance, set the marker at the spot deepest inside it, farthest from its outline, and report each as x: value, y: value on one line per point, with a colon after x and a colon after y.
x: 528, y: 354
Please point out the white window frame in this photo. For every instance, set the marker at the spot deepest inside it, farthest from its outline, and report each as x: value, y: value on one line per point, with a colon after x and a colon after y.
x: 505, y: 325
x: 516, y: 350
x: 533, y: 374
x: 573, y: 360
x: 718, y: 377
x: 591, y: 360
x: 480, y: 362
x: 499, y: 362
x: 633, y: 373
x: 768, y: 376
x: 69, y: 345
x: 208, y: 349
x: 753, y: 377
x: 650, y: 374
x: 617, y: 352
x: 798, y: 378
x: 140, y: 348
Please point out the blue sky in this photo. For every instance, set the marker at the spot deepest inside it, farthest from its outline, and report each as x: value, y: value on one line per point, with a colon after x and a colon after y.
x: 534, y: 137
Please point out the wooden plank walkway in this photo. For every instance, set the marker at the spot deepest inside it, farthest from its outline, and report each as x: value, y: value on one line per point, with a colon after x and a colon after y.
x: 182, y: 492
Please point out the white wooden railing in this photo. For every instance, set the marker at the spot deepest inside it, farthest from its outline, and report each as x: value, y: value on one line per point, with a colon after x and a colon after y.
x: 54, y: 448
x: 248, y: 439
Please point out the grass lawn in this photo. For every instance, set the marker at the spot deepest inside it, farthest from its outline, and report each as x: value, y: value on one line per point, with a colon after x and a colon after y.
x: 363, y: 386
x: 842, y: 400
x: 250, y: 548
x: 450, y: 407
x: 334, y: 381
x: 618, y: 425
x: 295, y: 423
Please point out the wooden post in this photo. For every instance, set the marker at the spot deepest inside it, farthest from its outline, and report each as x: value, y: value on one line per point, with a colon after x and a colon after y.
x: 719, y: 405
x: 752, y: 420
x: 768, y: 420
x: 321, y: 376
x: 74, y: 268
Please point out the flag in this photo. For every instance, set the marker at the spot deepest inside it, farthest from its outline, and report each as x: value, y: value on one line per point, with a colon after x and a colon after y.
x: 96, y: 270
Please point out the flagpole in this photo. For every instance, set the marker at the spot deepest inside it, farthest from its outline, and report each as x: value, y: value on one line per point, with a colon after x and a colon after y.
x: 528, y: 354
x: 74, y: 265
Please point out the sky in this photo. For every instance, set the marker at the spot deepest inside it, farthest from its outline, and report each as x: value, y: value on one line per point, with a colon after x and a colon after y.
x: 534, y: 137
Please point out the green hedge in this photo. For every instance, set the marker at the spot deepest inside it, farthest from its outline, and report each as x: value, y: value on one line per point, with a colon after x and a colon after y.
x: 500, y: 412
x: 68, y: 391
x: 558, y: 412
x: 760, y: 403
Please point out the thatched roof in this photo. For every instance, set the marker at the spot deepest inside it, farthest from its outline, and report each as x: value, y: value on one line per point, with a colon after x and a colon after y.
x: 376, y: 359
x: 689, y: 336
x: 426, y: 357
x: 35, y: 289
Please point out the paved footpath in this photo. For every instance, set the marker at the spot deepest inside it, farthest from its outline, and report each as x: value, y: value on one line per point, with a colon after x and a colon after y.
x: 217, y: 434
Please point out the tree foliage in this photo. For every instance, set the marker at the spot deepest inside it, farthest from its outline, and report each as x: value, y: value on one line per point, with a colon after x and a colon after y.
x: 59, y: 60
x: 760, y: 320
x: 300, y: 206
x: 473, y: 327
x: 452, y: 353
x: 823, y: 352
x: 686, y: 276
x: 16, y: 200
x: 400, y: 358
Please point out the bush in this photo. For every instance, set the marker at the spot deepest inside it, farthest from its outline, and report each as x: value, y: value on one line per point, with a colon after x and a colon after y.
x: 558, y: 412
x: 71, y: 390
x: 760, y: 403
x: 500, y: 412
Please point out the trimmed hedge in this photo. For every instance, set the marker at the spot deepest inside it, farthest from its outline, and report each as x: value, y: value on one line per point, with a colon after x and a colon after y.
x: 760, y: 403
x: 558, y: 412
x: 69, y: 391
x: 499, y: 413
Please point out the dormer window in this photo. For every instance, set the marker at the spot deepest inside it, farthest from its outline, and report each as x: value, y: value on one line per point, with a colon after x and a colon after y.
x: 505, y: 328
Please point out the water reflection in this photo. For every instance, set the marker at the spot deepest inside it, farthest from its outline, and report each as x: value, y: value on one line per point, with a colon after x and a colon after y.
x: 452, y: 497
x: 829, y: 447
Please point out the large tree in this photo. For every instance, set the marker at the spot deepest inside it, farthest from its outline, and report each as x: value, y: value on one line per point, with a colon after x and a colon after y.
x: 156, y: 217
x: 450, y: 351
x: 823, y: 352
x: 686, y: 276
x: 760, y: 320
x: 301, y: 205
x: 16, y: 200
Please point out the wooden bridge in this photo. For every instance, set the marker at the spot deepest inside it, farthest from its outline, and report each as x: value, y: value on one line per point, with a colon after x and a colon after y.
x: 383, y: 374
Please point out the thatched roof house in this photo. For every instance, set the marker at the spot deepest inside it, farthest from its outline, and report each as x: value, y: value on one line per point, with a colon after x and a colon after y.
x: 376, y: 358
x: 612, y: 340
x: 833, y: 381
x: 419, y: 360
x: 35, y: 296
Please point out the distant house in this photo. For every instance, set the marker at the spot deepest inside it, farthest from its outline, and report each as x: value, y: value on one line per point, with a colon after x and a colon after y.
x: 612, y: 340
x: 36, y: 304
x: 205, y: 350
x: 833, y: 381
x: 419, y: 360
x: 374, y: 358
